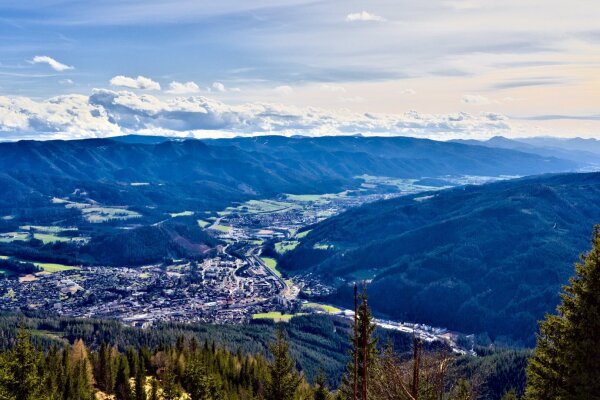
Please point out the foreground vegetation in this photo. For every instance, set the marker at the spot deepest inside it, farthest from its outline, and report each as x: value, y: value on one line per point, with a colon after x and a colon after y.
x: 563, y: 365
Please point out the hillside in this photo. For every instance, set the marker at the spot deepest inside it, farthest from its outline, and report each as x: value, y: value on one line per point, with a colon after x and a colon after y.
x: 485, y: 258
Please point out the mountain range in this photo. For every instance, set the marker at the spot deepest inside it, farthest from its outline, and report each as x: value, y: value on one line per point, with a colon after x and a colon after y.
x: 169, y: 175
x: 584, y: 152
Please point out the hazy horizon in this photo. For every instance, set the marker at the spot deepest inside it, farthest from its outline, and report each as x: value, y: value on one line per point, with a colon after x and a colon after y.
x: 443, y: 70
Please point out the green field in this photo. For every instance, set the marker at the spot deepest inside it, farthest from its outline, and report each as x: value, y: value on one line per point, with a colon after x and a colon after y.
x: 275, y: 316
x: 305, y: 197
x: 221, y: 228
x: 46, y: 234
x: 302, y: 235
x: 182, y: 214
x: 104, y: 214
x: 203, y: 224
x: 271, y: 263
x: 324, y: 307
x: 285, y: 246
x: 50, y: 238
x: 260, y: 207
x: 10, y: 237
x: 50, y: 267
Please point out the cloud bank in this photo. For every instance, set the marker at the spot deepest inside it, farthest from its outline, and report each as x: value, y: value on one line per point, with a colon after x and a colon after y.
x: 108, y: 113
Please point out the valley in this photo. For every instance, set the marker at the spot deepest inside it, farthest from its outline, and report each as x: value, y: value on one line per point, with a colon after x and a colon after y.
x: 230, y: 231
x: 234, y: 283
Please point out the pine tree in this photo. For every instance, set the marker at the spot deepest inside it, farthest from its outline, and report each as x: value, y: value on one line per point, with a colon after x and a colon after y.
x: 170, y: 387
x: 82, y: 379
x: 52, y: 373
x: 154, y: 389
x: 140, y: 379
x: 321, y: 392
x: 510, y: 395
x: 283, y: 380
x: 122, y: 386
x: 462, y: 391
x: 6, y: 379
x: 566, y: 362
x: 195, y: 379
x: 363, y: 352
x: 26, y: 382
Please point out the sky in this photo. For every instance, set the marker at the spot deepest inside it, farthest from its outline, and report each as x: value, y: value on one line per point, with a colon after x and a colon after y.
x: 442, y: 69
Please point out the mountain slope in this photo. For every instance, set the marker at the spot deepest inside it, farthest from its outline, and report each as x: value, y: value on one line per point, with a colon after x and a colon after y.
x: 488, y: 258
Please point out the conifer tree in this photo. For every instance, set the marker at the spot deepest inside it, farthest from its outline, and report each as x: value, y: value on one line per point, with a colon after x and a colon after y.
x: 510, y: 395
x: 195, y: 379
x: 5, y: 379
x: 283, y: 380
x: 52, y: 373
x: 321, y: 392
x: 140, y: 379
x: 566, y: 362
x: 25, y: 361
x: 82, y: 379
x: 122, y: 386
x: 170, y: 387
x: 154, y: 389
x: 363, y: 352
x: 462, y: 391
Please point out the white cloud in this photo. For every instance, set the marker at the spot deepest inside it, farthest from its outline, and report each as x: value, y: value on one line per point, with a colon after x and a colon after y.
x: 141, y: 82
x: 109, y: 113
x: 183, y: 88
x: 475, y: 99
x: 65, y: 117
x: 66, y: 82
x: 218, y: 86
x: 284, y: 90
x: 55, y: 65
x: 363, y: 16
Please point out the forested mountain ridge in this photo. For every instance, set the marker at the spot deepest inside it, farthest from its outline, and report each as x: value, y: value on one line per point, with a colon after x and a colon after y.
x: 214, y: 173
x: 584, y: 152
x: 487, y: 258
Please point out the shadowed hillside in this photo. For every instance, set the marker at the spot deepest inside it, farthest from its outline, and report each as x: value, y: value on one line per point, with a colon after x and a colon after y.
x: 485, y: 258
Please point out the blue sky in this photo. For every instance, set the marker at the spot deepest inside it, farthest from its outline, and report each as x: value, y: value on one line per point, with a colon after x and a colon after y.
x: 440, y: 69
